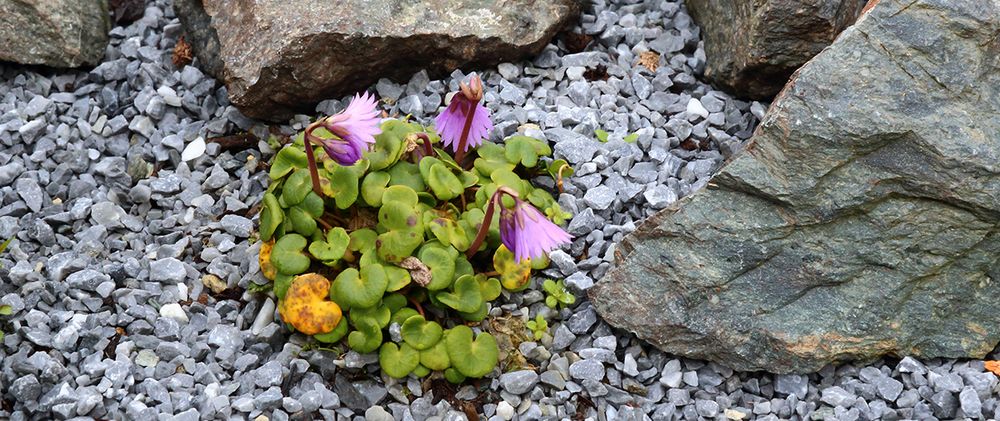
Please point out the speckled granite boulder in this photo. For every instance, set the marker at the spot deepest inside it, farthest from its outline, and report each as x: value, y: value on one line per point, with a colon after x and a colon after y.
x: 281, y: 57
x: 753, y: 46
x: 863, y: 220
x: 57, y: 33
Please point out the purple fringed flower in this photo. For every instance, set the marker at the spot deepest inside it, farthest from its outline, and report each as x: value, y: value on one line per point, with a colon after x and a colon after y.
x: 355, y: 129
x: 464, y: 110
x: 527, y: 232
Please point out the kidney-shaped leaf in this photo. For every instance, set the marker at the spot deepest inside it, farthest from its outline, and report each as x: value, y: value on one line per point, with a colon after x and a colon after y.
x: 398, y: 362
x: 471, y: 357
x: 287, y: 255
x: 306, y: 307
x: 420, y: 333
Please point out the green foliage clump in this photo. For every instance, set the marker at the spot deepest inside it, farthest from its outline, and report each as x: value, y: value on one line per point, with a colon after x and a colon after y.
x: 394, y: 232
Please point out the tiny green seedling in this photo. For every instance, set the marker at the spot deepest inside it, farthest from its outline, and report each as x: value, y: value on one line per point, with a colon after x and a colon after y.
x: 538, y: 327
x: 556, y: 294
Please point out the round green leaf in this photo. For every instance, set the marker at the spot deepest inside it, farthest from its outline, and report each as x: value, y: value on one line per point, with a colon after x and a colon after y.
x: 420, y: 333
x: 489, y: 287
x: 271, y: 216
x: 454, y: 376
x: 419, y: 372
x: 402, y: 315
x: 510, y: 180
x: 373, y: 187
x: 476, y: 316
x: 398, y: 362
x: 334, y: 246
x: 443, y: 183
x: 466, y: 295
x: 281, y: 284
x: 441, y: 262
x: 471, y: 357
x: 525, y: 150
x: 398, y: 277
x: 362, y: 240
x: 287, y: 159
x: 366, y: 339
x: 378, y: 315
x: 360, y: 289
x: 401, y: 194
x: 435, y: 357
x: 394, y: 302
x: 448, y: 231
x: 341, y: 184
x: 335, y: 335
x: 287, y: 256
x: 298, y: 185
x: 312, y: 204
x: 406, y: 174
x: 388, y: 146
x: 302, y: 222
x: 491, y: 159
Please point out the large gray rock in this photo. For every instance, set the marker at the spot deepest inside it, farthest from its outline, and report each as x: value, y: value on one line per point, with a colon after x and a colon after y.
x: 753, y: 46
x: 58, y: 33
x: 862, y: 220
x: 278, y: 58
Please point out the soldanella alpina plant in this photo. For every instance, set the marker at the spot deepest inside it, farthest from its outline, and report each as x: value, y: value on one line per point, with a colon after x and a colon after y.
x: 419, y: 227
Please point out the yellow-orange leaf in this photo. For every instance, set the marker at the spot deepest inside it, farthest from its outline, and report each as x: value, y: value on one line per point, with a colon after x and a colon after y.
x: 306, y: 306
x: 264, y: 258
x: 993, y: 366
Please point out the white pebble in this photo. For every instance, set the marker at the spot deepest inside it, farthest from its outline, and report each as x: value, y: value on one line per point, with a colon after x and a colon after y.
x: 264, y: 317
x: 505, y: 411
x: 194, y: 149
x: 174, y: 311
x: 695, y: 108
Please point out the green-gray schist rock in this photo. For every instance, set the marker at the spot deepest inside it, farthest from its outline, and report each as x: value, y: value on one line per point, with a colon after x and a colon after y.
x: 863, y: 219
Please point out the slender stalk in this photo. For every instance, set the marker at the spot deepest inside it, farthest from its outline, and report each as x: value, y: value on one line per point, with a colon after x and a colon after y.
x: 313, y: 172
x: 416, y: 304
x: 484, y: 227
x: 488, y: 218
x: 460, y: 153
x: 324, y: 223
x: 428, y: 149
x: 559, y: 177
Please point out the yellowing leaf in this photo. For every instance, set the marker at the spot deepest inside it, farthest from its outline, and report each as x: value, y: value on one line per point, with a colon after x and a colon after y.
x: 306, y: 306
x: 514, y: 276
x: 264, y: 257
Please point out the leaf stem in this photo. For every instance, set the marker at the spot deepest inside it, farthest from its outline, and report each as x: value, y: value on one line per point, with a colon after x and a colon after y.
x: 416, y: 304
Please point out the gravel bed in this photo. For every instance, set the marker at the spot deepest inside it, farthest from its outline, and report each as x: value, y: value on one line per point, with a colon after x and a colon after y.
x: 123, y: 247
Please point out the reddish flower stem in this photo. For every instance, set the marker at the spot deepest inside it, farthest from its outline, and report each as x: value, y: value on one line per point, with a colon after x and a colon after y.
x: 460, y: 152
x: 313, y: 172
x: 428, y: 149
x: 487, y: 220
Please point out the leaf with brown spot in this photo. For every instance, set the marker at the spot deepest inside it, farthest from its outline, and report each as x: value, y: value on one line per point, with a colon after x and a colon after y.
x: 306, y: 306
